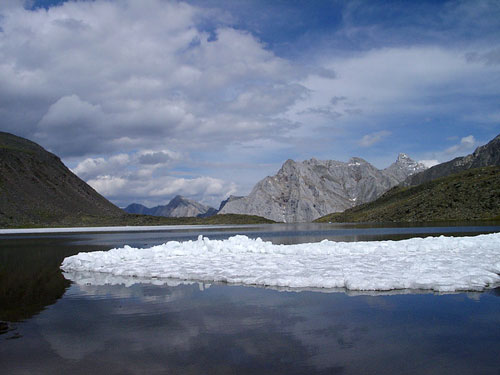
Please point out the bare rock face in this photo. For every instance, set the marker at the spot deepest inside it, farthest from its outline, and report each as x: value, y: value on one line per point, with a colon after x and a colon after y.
x: 304, y: 191
x: 230, y: 199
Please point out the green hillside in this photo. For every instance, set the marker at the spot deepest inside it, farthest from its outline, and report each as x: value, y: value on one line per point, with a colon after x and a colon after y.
x: 470, y: 195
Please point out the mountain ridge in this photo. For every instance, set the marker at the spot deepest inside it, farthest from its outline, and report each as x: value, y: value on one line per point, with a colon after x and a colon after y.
x: 483, y: 156
x: 35, y: 186
x: 178, y: 206
x: 473, y: 194
x: 304, y: 191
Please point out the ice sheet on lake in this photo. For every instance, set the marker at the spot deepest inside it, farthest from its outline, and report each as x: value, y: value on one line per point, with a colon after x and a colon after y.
x: 443, y: 264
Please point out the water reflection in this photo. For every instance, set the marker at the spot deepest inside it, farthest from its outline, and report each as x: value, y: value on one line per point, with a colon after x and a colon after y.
x: 30, y: 278
x: 48, y: 325
x: 99, y: 279
x: 232, y: 329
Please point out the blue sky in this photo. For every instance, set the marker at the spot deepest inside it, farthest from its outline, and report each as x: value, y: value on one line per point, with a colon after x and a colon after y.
x: 148, y: 99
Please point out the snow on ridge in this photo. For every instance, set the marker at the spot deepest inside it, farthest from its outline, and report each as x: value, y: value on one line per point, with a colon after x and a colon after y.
x: 442, y: 264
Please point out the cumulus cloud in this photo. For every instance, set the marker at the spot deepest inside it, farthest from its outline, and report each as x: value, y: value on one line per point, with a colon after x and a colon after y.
x: 173, y: 86
x: 160, y: 78
x: 160, y: 190
x: 94, y: 167
x: 466, y: 144
x: 146, y: 177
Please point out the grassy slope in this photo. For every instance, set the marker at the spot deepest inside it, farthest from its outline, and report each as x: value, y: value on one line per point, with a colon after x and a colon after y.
x: 469, y: 195
x: 141, y: 220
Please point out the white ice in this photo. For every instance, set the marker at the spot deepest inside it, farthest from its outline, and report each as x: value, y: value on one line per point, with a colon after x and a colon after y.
x: 443, y: 264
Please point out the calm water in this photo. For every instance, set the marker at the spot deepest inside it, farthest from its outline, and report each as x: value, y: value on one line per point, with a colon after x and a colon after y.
x: 48, y: 325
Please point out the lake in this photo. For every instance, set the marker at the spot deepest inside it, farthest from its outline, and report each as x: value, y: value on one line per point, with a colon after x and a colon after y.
x: 49, y: 325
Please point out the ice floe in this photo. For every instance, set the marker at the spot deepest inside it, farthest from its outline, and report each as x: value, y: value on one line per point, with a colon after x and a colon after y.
x: 442, y: 264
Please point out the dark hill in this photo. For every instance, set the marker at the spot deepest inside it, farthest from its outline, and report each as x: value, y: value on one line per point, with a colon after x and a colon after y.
x: 469, y: 195
x: 37, y: 188
x: 483, y: 156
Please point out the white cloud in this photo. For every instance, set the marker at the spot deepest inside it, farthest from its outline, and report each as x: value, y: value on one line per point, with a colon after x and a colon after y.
x: 370, y: 139
x: 429, y: 163
x: 466, y: 144
x: 94, y: 167
x: 379, y: 85
x: 93, y: 79
x: 108, y: 185
x: 100, y: 70
x: 146, y: 177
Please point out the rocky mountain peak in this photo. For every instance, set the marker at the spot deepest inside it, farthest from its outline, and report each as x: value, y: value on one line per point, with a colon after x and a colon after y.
x: 304, y: 191
x: 403, y: 158
x: 178, y: 200
x: 404, y: 166
x: 357, y: 161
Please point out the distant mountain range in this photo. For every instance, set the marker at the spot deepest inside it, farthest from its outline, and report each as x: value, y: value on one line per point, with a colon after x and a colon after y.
x: 177, y: 207
x: 304, y: 191
x: 36, y: 189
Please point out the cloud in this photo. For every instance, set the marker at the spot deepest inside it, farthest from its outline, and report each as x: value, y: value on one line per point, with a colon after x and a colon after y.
x: 157, y: 157
x: 160, y: 190
x: 467, y: 144
x: 86, y: 77
x: 370, y: 139
x: 92, y: 168
x: 148, y: 177
x: 464, y: 146
x: 491, y: 57
x: 189, y: 90
x: 429, y: 163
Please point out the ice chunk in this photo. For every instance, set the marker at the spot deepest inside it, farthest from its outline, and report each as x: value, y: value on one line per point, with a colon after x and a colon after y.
x: 443, y: 264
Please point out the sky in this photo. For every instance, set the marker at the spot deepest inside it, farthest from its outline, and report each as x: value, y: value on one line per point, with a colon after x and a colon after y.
x: 148, y: 99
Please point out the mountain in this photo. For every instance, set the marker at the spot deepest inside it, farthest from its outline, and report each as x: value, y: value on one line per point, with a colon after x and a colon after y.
x: 483, y: 156
x: 36, y: 188
x: 469, y: 195
x: 304, y: 191
x: 139, y: 209
x: 177, y: 207
x: 229, y: 199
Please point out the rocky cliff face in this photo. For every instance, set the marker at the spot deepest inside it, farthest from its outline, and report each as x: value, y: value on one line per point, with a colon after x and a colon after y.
x: 177, y: 207
x: 483, y: 156
x: 230, y: 199
x: 304, y: 191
